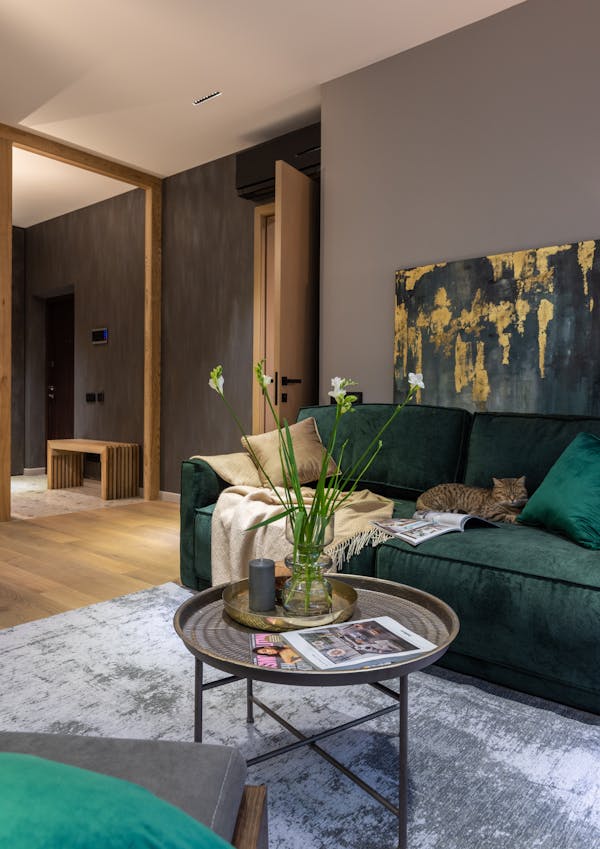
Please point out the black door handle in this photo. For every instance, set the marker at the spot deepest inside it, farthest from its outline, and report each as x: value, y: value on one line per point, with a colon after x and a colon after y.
x: 287, y: 380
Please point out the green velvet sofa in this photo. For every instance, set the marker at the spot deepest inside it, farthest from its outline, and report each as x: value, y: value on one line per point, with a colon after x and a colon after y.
x: 528, y: 599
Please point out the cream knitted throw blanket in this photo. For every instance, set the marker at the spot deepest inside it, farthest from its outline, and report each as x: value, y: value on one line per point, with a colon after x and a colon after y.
x: 240, y: 507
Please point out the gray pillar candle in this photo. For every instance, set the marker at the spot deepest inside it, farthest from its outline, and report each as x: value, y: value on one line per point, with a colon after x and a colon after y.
x: 261, y: 584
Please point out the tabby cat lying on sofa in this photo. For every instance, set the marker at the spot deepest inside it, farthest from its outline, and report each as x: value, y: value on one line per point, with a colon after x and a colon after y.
x: 502, y: 503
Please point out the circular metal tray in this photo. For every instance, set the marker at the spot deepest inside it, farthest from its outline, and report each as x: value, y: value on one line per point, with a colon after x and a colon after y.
x: 213, y: 637
x: 235, y: 602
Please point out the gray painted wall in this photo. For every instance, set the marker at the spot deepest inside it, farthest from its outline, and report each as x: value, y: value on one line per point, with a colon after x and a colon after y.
x: 18, y: 353
x: 207, y: 314
x: 482, y: 141
x: 97, y: 253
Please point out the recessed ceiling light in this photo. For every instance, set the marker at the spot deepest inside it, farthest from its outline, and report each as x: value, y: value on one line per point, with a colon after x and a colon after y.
x: 206, y: 97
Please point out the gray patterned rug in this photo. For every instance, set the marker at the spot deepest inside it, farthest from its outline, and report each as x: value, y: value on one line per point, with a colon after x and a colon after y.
x: 31, y: 498
x: 486, y: 771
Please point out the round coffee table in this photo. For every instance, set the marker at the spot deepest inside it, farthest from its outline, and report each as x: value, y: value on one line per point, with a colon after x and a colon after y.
x: 215, y: 639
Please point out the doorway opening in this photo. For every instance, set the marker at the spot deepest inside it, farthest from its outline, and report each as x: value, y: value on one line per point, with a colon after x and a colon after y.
x: 152, y: 186
x: 60, y: 367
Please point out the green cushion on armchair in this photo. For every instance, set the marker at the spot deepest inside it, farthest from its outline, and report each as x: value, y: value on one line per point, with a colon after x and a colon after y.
x: 568, y: 499
x: 49, y: 805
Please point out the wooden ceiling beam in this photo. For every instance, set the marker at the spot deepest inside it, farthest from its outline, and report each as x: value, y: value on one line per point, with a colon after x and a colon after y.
x: 54, y: 149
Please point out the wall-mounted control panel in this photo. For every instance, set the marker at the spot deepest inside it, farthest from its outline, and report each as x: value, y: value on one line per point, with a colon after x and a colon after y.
x: 100, y: 336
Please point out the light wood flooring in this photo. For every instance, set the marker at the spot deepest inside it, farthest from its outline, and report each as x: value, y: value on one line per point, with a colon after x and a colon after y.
x: 57, y: 563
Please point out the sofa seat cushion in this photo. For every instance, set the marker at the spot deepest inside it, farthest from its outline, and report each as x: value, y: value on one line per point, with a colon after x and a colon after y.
x: 45, y: 804
x: 536, y: 592
x: 519, y: 549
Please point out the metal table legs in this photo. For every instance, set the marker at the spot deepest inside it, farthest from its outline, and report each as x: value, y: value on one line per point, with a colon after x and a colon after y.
x: 199, y: 687
x: 401, y: 699
x: 403, y: 763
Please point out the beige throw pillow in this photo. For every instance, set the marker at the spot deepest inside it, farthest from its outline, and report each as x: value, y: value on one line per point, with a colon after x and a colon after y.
x: 308, y: 450
x: 236, y: 469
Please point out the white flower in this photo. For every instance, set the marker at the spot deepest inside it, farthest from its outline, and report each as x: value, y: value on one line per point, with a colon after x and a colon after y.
x: 216, y: 379
x: 263, y: 379
x: 338, y: 391
x: 416, y: 380
x: 339, y: 385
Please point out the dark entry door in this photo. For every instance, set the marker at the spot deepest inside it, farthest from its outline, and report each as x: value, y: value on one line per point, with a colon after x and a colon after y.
x: 59, y: 367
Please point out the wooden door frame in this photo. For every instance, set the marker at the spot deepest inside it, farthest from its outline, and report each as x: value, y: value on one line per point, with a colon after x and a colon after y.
x: 46, y: 146
x: 261, y: 216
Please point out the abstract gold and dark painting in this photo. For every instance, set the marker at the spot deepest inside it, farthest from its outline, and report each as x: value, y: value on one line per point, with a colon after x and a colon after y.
x: 514, y: 331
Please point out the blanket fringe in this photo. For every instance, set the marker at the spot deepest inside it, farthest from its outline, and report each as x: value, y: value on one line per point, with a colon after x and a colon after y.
x: 346, y: 548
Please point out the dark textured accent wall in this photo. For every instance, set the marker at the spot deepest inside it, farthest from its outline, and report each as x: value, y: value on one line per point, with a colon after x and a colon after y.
x: 483, y: 141
x: 98, y: 254
x: 207, y: 313
x: 18, y: 353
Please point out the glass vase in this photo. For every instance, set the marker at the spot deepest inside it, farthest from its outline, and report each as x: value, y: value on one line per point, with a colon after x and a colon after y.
x: 307, y: 592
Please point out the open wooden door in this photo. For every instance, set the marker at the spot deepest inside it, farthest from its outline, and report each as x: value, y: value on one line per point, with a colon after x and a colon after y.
x: 286, y: 329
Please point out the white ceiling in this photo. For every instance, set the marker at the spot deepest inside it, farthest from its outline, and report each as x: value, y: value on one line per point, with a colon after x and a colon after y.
x: 119, y: 76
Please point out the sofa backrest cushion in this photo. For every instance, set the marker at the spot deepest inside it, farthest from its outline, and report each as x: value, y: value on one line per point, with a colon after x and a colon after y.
x: 423, y: 446
x: 508, y: 445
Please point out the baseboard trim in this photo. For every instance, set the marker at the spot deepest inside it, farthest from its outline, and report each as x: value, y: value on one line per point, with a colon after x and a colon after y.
x: 40, y: 471
x: 96, y: 485
x: 169, y: 496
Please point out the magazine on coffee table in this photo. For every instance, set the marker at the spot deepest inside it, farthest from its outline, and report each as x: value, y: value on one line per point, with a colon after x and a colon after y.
x: 427, y: 524
x: 272, y: 652
x: 366, y: 642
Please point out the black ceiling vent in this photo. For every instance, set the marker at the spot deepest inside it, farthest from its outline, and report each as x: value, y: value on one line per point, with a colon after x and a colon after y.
x: 255, y: 167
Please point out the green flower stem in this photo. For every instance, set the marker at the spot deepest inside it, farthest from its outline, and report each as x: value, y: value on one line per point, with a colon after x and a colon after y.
x: 308, y: 524
x: 308, y: 573
x: 352, y: 473
x: 337, y: 500
x: 251, y: 450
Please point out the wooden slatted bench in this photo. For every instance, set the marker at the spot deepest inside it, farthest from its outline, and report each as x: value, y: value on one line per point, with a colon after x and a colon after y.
x: 119, y: 465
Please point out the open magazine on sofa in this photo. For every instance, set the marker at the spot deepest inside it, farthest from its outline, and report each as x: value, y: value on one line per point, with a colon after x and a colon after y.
x: 427, y: 524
